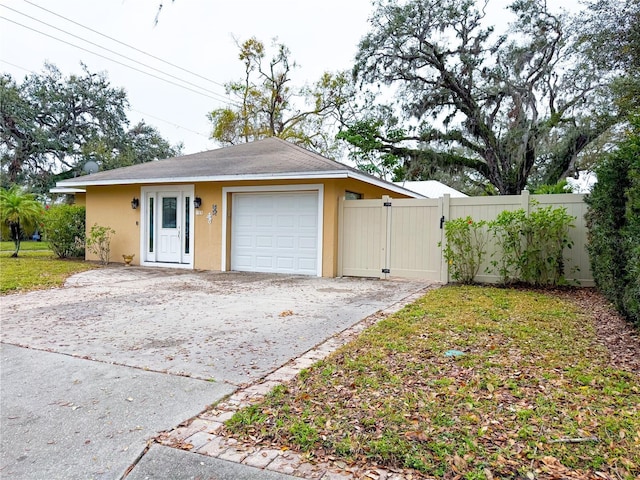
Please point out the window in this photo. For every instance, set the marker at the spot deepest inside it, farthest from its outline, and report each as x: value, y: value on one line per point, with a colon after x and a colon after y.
x: 352, y: 195
x: 169, y: 212
x: 187, y: 202
x: 151, y: 224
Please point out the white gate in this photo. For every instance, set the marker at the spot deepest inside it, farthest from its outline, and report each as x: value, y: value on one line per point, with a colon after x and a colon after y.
x: 385, y: 237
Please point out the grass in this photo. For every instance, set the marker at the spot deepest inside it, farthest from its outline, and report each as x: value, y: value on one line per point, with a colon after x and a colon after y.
x: 35, y: 268
x: 533, y: 394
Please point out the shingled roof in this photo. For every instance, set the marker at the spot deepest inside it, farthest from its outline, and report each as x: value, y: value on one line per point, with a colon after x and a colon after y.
x: 267, y: 159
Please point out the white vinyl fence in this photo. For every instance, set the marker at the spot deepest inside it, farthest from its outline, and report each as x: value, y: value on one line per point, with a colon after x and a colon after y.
x: 400, y: 237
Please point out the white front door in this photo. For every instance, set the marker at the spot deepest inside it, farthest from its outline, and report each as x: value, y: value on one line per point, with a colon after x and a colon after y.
x: 167, y: 233
x: 169, y: 227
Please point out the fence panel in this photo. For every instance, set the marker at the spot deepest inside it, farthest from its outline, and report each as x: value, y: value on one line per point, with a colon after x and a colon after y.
x: 403, y: 238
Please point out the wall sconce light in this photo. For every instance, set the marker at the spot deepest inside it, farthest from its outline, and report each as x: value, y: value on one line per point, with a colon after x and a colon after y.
x: 197, y: 202
x: 135, y: 203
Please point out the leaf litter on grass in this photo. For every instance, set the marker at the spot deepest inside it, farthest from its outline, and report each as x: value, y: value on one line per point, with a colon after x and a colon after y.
x: 533, y: 395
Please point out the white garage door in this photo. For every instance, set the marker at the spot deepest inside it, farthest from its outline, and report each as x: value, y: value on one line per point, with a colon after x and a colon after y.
x: 275, y: 232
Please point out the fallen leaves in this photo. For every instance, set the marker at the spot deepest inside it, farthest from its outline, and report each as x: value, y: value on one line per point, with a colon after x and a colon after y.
x: 530, y: 397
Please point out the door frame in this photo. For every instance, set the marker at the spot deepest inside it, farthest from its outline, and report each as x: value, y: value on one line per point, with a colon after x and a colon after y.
x: 225, y: 262
x: 148, y: 258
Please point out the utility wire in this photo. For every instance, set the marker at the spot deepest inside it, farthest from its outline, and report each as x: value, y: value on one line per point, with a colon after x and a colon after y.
x: 112, y: 60
x: 170, y: 123
x: 132, y: 109
x: 126, y: 44
x: 116, y: 53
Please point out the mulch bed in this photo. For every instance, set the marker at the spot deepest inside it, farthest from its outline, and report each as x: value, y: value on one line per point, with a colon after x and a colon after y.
x: 618, y: 336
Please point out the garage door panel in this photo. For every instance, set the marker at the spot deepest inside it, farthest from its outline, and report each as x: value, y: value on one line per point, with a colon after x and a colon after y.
x: 285, y: 263
x: 285, y: 221
x: 307, y: 242
x: 286, y: 242
x: 307, y: 264
x: 307, y: 221
x: 264, y: 221
x: 263, y: 241
x: 278, y: 232
x: 263, y: 262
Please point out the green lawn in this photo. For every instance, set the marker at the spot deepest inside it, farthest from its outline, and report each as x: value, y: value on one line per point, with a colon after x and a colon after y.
x: 26, y: 246
x: 35, y: 268
x: 533, y: 394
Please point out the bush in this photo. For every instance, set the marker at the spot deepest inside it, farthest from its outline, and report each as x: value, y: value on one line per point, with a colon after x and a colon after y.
x: 465, y: 248
x: 99, y: 242
x: 531, y: 247
x: 64, y: 227
x: 613, y: 220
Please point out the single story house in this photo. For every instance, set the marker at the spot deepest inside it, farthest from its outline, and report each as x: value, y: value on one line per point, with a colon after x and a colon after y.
x: 265, y: 206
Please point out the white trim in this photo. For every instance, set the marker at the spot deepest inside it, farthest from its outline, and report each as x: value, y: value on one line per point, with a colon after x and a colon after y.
x: 67, y: 190
x: 331, y: 174
x: 211, y: 178
x: 186, y: 191
x: 273, y: 188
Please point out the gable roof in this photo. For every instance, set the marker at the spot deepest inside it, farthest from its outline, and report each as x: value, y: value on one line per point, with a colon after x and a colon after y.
x: 267, y: 159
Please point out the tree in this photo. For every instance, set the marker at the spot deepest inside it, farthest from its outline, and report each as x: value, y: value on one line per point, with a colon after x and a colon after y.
x: 18, y: 209
x: 610, y: 37
x: 140, y: 144
x: 491, y: 105
x: 268, y: 106
x: 51, y: 124
x: 613, y: 220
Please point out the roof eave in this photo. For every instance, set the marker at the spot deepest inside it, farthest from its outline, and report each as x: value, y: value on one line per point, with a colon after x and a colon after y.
x: 84, y: 182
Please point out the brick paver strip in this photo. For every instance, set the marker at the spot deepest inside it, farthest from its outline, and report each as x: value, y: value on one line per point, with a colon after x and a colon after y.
x: 199, y: 439
x: 261, y: 458
x: 234, y: 454
x: 215, y: 447
x: 285, y: 463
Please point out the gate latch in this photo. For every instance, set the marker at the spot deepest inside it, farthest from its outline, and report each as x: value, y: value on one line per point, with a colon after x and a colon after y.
x: 441, y: 222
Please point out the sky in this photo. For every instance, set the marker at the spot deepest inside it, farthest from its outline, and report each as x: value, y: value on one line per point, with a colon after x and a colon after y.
x: 198, y: 37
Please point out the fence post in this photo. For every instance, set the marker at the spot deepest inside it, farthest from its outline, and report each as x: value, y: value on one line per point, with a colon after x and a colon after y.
x: 385, y: 240
x: 340, y: 235
x: 444, y: 207
x: 525, y: 201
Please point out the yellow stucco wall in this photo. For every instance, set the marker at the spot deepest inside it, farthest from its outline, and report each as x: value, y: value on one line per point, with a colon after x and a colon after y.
x: 111, y: 206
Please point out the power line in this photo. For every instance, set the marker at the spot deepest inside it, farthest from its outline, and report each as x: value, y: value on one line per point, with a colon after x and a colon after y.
x: 116, y: 53
x: 132, y: 109
x: 126, y: 45
x: 112, y: 60
x: 170, y: 123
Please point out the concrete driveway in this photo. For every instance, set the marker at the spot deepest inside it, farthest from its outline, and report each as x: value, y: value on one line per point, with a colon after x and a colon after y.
x: 93, y: 370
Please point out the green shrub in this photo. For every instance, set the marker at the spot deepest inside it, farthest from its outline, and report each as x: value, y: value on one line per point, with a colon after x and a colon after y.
x: 531, y: 247
x: 546, y: 233
x: 99, y: 242
x: 507, y: 231
x: 64, y: 228
x: 465, y: 247
x: 613, y: 220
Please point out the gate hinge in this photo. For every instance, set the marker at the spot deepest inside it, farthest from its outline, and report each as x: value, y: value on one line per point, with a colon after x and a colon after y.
x: 387, y: 204
x: 386, y: 270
